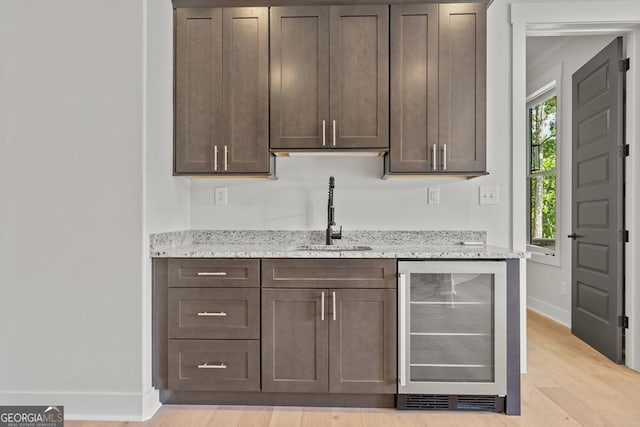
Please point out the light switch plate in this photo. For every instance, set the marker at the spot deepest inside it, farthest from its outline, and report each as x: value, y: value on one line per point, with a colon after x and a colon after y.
x: 220, y: 197
x: 488, y: 195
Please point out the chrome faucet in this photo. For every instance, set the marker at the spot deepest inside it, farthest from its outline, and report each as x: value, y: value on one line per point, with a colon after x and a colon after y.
x: 331, y: 234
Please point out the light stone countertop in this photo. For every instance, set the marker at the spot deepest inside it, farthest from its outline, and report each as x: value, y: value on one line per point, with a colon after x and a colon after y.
x: 310, y: 244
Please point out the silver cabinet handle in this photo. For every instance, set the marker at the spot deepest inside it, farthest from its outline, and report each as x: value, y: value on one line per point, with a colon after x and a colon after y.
x: 215, y: 314
x: 212, y: 273
x: 444, y: 157
x: 334, y: 133
x: 324, y: 133
x: 402, y: 350
x: 322, y: 307
x: 434, y: 161
x: 226, y: 158
x: 215, y: 158
x: 205, y: 365
x: 334, y: 305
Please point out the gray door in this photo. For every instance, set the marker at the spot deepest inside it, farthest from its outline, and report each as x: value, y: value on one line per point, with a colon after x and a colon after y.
x: 598, y: 202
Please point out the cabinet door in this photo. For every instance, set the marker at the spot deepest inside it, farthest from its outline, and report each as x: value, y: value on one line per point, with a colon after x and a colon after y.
x: 198, y: 96
x: 299, y: 77
x: 462, y: 74
x: 362, y: 341
x: 294, y: 341
x: 414, y: 88
x: 246, y: 90
x: 359, y: 76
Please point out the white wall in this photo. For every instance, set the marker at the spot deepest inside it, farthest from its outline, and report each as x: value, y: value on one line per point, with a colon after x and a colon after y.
x: 4, y: 183
x: 166, y: 198
x: 78, y: 116
x: 298, y: 200
x: 543, y: 280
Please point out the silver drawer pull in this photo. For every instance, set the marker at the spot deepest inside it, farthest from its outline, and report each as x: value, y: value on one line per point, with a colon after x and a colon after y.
x: 212, y: 273
x: 217, y: 366
x: 216, y: 314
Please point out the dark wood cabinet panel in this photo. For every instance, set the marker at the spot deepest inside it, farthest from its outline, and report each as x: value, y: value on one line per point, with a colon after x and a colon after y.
x: 198, y: 89
x: 214, y: 365
x: 362, y: 341
x: 213, y: 272
x: 438, y: 85
x: 294, y: 341
x: 359, y: 76
x: 328, y: 273
x: 462, y: 54
x: 221, y: 91
x: 330, y: 77
x: 214, y: 313
x: 414, y: 88
x: 245, y: 97
x: 299, y: 76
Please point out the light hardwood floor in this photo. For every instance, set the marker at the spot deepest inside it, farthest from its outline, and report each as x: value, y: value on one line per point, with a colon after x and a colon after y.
x: 568, y: 384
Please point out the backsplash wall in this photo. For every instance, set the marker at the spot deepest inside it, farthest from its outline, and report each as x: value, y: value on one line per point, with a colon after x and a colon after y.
x: 363, y: 201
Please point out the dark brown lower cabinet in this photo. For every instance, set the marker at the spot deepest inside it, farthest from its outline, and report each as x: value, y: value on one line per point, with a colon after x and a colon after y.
x: 329, y: 340
x: 362, y: 341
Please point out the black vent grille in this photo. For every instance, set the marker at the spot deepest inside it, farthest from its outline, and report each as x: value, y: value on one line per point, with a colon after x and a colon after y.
x: 476, y: 403
x: 426, y: 401
x: 450, y: 402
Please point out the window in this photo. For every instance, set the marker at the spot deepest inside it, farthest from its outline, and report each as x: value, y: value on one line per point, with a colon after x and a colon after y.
x: 541, y: 172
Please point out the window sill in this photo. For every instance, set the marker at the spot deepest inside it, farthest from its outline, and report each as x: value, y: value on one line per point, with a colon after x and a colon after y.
x: 542, y: 256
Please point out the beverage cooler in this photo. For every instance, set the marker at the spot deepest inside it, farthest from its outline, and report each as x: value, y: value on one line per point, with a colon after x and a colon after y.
x: 452, y: 335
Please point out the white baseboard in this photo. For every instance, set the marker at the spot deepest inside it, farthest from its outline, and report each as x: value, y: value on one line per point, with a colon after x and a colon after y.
x: 91, y: 406
x: 549, y: 310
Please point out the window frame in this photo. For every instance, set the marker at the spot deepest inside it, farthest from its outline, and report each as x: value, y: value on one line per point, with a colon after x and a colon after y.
x: 542, y: 89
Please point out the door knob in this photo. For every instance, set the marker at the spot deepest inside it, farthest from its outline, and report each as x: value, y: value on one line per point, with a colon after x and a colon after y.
x: 573, y: 236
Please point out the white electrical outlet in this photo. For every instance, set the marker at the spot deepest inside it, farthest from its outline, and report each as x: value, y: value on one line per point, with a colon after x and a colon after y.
x: 220, y: 196
x: 488, y: 195
x: 433, y: 196
x: 563, y: 287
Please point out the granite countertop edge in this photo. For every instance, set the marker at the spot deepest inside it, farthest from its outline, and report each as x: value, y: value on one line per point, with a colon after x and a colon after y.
x: 270, y: 244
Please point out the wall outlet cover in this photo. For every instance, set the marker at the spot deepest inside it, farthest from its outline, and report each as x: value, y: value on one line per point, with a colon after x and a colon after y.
x: 220, y: 196
x: 488, y: 195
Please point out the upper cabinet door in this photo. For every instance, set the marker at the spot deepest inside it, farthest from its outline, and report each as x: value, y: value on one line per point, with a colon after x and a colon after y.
x: 245, y: 98
x: 198, y: 89
x: 299, y: 77
x: 462, y: 131
x: 359, y: 76
x: 414, y: 88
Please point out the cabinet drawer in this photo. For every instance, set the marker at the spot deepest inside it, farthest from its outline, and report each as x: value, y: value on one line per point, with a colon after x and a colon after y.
x: 329, y: 273
x: 214, y: 313
x: 211, y: 272
x: 214, y: 365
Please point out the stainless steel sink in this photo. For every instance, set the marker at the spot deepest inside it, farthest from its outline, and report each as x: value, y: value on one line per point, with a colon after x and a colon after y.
x: 332, y: 248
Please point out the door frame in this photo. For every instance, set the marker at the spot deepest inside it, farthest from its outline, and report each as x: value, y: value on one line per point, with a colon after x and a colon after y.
x: 564, y: 18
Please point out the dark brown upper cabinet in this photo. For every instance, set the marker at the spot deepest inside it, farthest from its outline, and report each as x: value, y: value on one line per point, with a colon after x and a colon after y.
x: 329, y: 77
x: 221, y: 91
x: 438, y: 88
